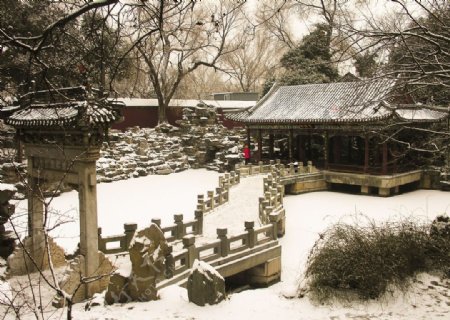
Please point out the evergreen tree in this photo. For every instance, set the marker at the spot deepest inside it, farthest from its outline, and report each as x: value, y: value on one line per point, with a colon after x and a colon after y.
x: 366, y: 65
x: 310, y: 62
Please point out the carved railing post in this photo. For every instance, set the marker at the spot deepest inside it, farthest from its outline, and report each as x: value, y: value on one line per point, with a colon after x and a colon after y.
x: 273, y: 218
x: 201, y: 202
x: 156, y: 221
x: 101, y: 242
x: 310, y: 167
x: 130, y: 230
x: 219, y: 195
x: 189, y: 245
x: 222, y: 236
x: 199, y: 218
x: 170, y: 263
x: 211, y: 199
x: 178, y: 220
x: 250, y: 228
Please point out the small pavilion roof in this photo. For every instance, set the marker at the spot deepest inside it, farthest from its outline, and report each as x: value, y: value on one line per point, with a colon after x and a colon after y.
x: 341, y: 102
x: 68, y: 107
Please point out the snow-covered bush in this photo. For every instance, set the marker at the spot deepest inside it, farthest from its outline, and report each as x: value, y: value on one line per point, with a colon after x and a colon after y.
x: 367, y: 260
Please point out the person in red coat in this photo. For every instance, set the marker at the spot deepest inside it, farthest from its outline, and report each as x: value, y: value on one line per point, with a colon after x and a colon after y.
x: 246, y: 154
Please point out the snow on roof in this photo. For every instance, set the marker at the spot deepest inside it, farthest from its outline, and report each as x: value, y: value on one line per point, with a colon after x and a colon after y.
x: 420, y: 114
x: 327, y: 102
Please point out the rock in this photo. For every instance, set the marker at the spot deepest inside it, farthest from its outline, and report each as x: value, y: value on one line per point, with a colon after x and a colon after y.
x: 148, y: 250
x: 205, y: 285
x: 117, y: 289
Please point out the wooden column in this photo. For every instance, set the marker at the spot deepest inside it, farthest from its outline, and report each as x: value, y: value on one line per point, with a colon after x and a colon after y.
x: 248, y: 138
x: 271, y: 146
x: 290, y: 144
x: 87, y: 194
x: 366, y: 154
x: 349, y: 150
x: 337, y: 143
x: 259, y: 145
x: 309, y: 148
x: 384, y: 164
x: 325, y: 150
x: 301, y: 148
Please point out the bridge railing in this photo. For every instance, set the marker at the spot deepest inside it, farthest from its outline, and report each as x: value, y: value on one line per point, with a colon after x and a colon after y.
x: 221, y: 194
x: 224, y: 246
x: 272, y: 202
x: 175, y: 231
x: 179, y: 228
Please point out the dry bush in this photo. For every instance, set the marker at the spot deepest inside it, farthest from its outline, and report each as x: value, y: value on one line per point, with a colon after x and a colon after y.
x: 369, y: 259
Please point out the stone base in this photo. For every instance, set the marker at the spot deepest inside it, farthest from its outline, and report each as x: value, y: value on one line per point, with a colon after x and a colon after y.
x: 265, y: 274
x: 307, y: 186
x: 71, y: 280
x: 19, y: 263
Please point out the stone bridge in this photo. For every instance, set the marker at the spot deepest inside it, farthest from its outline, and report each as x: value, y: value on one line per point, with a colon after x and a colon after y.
x: 253, y: 255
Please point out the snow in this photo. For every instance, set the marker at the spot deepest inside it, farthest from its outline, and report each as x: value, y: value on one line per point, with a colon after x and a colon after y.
x: 7, y: 187
x: 139, y: 200
x: 203, y: 268
x: 128, y: 201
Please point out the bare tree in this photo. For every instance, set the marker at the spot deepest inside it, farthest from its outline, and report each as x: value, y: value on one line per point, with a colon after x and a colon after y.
x: 180, y: 40
x: 256, y: 60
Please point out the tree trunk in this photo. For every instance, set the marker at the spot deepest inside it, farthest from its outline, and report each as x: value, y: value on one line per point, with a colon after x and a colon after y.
x: 162, y: 116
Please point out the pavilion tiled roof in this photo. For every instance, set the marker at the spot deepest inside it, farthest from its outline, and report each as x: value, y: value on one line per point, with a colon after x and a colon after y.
x: 342, y: 102
x: 68, y: 108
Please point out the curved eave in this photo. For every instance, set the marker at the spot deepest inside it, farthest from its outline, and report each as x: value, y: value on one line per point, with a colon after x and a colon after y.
x: 311, y: 121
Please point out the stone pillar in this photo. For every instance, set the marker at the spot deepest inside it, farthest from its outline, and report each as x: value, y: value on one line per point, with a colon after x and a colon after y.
x: 199, y: 218
x: 250, y: 228
x: 87, y: 193
x: 7, y: 238
x: 178, y: 221
x: 222, y: 236
x: 36, y: 216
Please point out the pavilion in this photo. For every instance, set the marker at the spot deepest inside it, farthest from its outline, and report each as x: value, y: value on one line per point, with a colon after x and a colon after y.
x: 343, y: 127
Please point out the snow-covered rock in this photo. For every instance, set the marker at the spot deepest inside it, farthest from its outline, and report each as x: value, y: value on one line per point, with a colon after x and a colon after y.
x: 205, y: 285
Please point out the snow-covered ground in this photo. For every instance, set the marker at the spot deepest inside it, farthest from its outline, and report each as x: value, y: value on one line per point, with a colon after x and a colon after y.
x: 129, y: 201
x: 138, y: 200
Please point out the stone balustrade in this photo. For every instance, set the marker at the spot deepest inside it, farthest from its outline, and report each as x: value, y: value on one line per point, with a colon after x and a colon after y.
x: 224, y: 246
x: 276, y: 166
x: 272, y: 202
x: 179, y: 228
x: 123, y: 240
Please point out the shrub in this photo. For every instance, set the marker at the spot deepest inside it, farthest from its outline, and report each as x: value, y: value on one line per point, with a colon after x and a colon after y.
x: 369, y: 259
